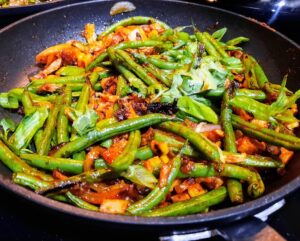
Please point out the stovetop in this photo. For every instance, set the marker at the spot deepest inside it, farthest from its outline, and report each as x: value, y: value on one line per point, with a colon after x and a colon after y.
x: 21, y: 220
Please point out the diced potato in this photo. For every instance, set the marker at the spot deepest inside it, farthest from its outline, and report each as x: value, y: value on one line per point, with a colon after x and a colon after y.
x: 196, y: 190
x: 114, y: 206
x: 152, y: 164
x: 180, y: 197
x: 285, y: 155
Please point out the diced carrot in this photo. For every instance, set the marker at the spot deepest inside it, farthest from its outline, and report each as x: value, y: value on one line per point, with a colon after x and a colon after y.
x: 243, y: 114
x: 59, y: 175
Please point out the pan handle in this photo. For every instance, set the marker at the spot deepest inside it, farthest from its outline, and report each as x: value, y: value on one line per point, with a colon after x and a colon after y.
x: 250, y: 229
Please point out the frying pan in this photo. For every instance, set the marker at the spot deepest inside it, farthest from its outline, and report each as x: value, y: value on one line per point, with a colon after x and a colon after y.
x: 33, y: 8
x: 21, y: 41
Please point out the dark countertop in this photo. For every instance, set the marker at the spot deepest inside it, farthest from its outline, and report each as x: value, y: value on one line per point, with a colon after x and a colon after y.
x: 21, y: 220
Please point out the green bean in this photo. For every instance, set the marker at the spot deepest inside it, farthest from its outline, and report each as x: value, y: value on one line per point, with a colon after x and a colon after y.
x: 53, y: 163
x: 62, y: 120
x: 27, y: 128
x: 233, y: 158
x: 226, y: 112
x: 136, y: 68
x: 38, y: 138
x: 30, y: 181
x: 208, y: 46
x: 59, y: 80
x: 126, y: 158
x: 159, y: 63
x: 89, y: 177
x: 15, y: 164
x: 122, y: 88
x: 109, y: 131
x: 84, y: 98
x: 219, y: 34
x: 255, y: 184
x: 97, y: 61
x: 79, y: 156
x: 103, y: 123
x: 137, y: 20
x: 70, y: 71
x: 81, y: 107
x: 18, y: 93
x: 174, y: 144
x: 134, y: 82
x: 73, y: 86
x: 200, y: 142
x: 44, y: 146
x: 191, y: 206
x: 100, y: 164
x: 144, y: 153
x: 127, y: 45
x: 158, y: 74
x: 249, y: 72
x: 237, y: 41
x: 80, y: 203
x: 235, y: 191
x: 254, y: 94
x: 158, y: 193
x: 59, y: 197
x: 93, y: 78
x: 258, y: 109
x: 260, y: 75
x: 199, y: 170
x: 250, y: 160
x: 27, y: 103
x: 8, y: 101
x: 139, y: 44
x: 215, y: 44
x: 267, y: 135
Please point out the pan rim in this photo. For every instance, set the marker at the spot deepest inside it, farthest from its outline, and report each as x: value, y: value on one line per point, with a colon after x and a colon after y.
x: 236, y: 212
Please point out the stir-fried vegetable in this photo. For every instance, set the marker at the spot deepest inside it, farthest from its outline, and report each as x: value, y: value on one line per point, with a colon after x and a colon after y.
x: 147, y: 120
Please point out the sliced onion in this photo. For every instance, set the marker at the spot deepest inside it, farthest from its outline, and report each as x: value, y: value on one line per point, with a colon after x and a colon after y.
x: 204, y: 127
x: 122, y: 7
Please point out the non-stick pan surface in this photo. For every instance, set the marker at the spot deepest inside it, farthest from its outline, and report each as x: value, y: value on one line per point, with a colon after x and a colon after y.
x: 20, y: 42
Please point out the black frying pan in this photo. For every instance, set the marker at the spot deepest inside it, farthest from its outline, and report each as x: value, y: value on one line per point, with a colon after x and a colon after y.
x: 20, y: 42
